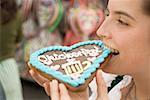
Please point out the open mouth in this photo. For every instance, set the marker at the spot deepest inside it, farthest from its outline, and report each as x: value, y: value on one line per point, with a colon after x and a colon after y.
x: 114, y: 51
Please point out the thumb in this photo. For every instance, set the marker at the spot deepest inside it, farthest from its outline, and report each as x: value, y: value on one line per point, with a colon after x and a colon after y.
x: 101, y: 86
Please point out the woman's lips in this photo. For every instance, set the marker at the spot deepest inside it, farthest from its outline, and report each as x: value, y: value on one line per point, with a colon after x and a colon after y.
x: 111, y: 46
x: 114, y: 51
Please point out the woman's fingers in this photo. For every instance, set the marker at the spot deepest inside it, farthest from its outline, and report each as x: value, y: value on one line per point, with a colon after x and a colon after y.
x: 101, y: 86
x: 57, y: 91
x: 47, y: 88
x: 54, y: 90
x: 63, y: 92
x: 38, y: 78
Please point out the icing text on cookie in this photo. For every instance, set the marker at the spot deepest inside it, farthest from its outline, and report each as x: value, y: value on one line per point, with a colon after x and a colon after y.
x: 48, y: 59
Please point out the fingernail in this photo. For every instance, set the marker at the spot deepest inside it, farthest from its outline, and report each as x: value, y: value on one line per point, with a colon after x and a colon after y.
x: 44, y: 84
x: 31, y: 71
x: 50, y: 82
x: 60, y: 85
x: 28, y: 64
x: 55, y: 81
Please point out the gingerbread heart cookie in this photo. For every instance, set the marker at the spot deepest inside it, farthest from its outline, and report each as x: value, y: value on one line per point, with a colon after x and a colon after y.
x: 75, y: 65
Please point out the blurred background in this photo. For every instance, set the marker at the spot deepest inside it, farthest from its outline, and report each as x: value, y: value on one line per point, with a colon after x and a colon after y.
x: 51, y: 22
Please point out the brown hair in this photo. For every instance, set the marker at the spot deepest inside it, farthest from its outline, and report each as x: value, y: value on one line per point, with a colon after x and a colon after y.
x: 8, y: 10
x: 146, y: 6
x: 104, y: 3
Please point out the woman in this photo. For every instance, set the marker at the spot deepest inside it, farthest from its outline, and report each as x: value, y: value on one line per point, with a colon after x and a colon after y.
x: 126, y: 29
x: 10, y: 35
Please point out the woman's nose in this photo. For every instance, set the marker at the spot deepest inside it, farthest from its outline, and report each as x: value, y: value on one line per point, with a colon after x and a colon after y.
x: 104, y: 31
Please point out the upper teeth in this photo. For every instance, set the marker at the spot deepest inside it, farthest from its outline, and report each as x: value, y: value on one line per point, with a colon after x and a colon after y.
x: 114, y: 51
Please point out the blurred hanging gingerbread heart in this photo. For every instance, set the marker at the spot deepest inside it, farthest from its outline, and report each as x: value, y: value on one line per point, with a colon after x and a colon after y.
x: 87, y: 20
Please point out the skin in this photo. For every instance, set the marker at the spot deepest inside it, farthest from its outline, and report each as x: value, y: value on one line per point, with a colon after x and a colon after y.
x: 127, y: 29
x: 58, y: 91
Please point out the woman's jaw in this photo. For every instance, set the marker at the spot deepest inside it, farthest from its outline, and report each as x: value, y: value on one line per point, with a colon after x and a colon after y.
x: 115, y: 64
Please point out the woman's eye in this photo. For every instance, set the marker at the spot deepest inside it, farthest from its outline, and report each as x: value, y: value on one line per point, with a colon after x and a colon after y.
x: 122, y: 22
x: 106, y: 12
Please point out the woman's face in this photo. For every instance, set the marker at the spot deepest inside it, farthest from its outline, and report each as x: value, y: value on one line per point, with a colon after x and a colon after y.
x: 127, y: 29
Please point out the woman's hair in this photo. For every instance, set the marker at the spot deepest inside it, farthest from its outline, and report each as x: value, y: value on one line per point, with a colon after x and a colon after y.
x: 8, y: 10
x: 104, y: 3
x: 146, y: 6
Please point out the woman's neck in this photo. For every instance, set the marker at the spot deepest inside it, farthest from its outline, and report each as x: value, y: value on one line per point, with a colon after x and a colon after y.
x: 139, y: 88
x: 142, y: 87
x: 136, y: 92
x: 142, y: 80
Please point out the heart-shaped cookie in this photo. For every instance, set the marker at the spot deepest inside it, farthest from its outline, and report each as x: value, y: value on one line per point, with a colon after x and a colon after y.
x: 74, y: 65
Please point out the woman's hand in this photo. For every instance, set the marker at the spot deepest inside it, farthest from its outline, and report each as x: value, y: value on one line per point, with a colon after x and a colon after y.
x: 58, y: 91
x: 101, y: 87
